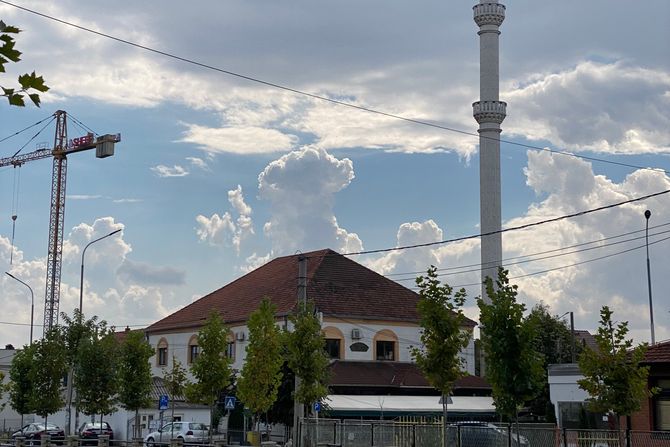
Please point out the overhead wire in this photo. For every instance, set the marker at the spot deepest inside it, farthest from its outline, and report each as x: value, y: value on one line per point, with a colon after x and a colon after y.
x: 541, y: 256
x: 33, y: 137
x: 25, y: 129
x: 81, y: 124
x: 322, y: 97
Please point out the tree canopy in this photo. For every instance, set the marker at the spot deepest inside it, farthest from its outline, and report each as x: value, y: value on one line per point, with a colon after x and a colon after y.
x: 613, y: 376
x: 21, y: 385
x: 46, y: 374
x: 135, y: 374
x: 513, y: 367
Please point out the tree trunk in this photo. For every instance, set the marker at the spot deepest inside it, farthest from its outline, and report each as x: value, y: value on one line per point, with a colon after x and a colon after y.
x: 172, y: 416
x: 137, y: 422
x: 445, y: 402
x: 211, y: 420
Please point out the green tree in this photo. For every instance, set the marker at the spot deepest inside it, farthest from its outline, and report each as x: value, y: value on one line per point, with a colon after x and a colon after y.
x: 513, y: 367
x: 613, y: 376
x: 135, y: 375
x: 29, y: 83
x: 46, y: 374
x: 97, y: 381
x: 552, y: 339
x: 261, y: 374
x: 176, y: 381
x: 443, y: 336
x: 211, y: 369
x: 306, y: 355
x: 21, y: 385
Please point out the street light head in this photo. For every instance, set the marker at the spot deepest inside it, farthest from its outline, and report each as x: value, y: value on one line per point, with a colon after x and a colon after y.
x: 647, y: 214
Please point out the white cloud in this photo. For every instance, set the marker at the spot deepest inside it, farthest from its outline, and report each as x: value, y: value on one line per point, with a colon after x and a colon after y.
x: 222, y: 229
x: 611, y: 107
x: 83, y: 196
x: 127, y: 200
x: 301, y: 188
x: 166, y: 171
x: 239, y: 140
x: 198, y: 163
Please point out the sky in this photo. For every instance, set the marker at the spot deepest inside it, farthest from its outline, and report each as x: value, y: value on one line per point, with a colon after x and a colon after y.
x: 217, y: 174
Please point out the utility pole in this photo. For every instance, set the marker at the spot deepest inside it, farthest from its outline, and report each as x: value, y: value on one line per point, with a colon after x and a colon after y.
x: 298, y: 408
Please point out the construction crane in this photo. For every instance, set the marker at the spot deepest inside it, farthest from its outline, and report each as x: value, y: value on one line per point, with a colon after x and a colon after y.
x: 104, y: 147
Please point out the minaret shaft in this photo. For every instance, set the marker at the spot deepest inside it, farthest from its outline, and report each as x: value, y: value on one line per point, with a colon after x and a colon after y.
x: 489, y: 113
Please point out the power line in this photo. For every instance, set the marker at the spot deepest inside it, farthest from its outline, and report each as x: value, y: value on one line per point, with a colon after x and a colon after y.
x: 522, y: 259
x: 23, y: 130
x: 321, y: 97
x: 504, y: 230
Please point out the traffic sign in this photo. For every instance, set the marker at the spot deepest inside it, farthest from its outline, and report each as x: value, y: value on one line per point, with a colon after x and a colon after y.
x: 317, y: 406
x: 229, y: 403
x: 163, y: 403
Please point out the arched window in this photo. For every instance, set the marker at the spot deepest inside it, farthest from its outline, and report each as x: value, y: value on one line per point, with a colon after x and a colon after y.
x: 385, y: 344
x: 162, y: 352
x: 230, y: 345
x: 193, y: 348
x: 334, y: 342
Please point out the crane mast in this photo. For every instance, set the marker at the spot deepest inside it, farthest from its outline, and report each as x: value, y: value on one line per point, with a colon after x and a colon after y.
x: 104, y: 146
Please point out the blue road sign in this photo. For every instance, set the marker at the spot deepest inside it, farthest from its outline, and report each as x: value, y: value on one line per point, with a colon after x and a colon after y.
x: 317, y: 406
x: 163, y: 403
x: 229, y: 403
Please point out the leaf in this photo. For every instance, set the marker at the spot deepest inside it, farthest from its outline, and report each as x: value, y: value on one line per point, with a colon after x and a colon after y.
x: 38, y: 83
x: 16, y: 100
x: 8, y: 50
x: 4, y: 28
x: 8, y: 91
x: 35, y: 98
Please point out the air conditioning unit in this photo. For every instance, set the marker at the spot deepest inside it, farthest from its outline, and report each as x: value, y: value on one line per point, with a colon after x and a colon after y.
x: 239, y: 336
x: 355, y: 334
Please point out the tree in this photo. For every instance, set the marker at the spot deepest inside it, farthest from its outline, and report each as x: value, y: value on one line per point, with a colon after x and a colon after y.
x: 97, y: 381
x: 176, y: 382
x: 552, y: 339
x: 46, y: 374
x: 261, y: 374
x: 306, y: 355
x: 613, y: 376
x: 29, y: 83
x: 211, y: 368
x: 135, y: 375
x: 443, y: 337
x: 21, y: 385
x: 513, y: 367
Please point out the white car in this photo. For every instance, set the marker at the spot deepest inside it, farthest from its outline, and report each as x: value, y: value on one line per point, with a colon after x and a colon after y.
x: 190, y: 432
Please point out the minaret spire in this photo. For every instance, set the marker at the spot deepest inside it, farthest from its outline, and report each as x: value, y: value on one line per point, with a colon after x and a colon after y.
x: 489, y: 112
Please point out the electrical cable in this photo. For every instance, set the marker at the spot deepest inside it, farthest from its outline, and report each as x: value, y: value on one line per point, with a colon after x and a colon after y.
x: 23, y: 130
x: 504, y: 230
x: 34, y: 136
x: 541, y: 258
x: 321, y: 97
x: 82, y: 125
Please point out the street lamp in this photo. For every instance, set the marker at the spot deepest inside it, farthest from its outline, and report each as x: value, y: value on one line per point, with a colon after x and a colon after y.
x: 647, y: 215
x: 572, y: 335
x: 81, y: 278
x: 32, y: 303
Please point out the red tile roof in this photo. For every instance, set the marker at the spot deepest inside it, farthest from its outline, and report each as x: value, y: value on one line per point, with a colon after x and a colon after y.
x: 658, y: 353
x: 390, y: 374
x: 341, y: 288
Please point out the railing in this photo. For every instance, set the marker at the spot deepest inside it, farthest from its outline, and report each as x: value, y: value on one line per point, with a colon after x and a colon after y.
x: 358, y: 433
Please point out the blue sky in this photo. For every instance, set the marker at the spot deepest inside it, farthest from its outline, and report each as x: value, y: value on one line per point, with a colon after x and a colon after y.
x: 215, y: 174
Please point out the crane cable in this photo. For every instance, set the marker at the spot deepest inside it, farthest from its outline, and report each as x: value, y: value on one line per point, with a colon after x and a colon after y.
x: 15, y: 207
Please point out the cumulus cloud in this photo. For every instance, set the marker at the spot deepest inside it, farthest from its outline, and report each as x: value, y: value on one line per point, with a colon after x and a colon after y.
x: 612, y: 107
x: 239, y: 140
x: 166, y: 171
x: 224, y: 229
x: 301, y: 187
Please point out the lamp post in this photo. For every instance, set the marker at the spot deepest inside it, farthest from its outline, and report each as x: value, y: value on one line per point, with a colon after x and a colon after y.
x: 81, y: 278
x: 32, y: 304
x: 572, y: 335
x: 647, y: 215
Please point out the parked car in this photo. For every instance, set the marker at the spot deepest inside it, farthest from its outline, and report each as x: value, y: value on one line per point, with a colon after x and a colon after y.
x: 89, y: 432
x: 33, y: 433
x: 483, y: 434
x: 190, y: 432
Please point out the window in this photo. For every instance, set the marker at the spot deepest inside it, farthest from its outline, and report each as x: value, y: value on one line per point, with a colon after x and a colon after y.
x: 333, y: 348
x: 162, y: 352
x: 230, y: 350
x: 162, y: 356
x: 385, y: 350
x: 193, y: 351
x: 662, y: 405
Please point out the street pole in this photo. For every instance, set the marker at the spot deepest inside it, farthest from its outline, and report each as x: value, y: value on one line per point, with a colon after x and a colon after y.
x: 32, y: 304
x: 572, y: 336
x: 647, y: 215
x: 70, y: 375
x: 302, y: 301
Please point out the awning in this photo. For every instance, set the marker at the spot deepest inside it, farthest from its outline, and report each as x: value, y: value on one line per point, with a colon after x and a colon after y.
x: 346, y: 403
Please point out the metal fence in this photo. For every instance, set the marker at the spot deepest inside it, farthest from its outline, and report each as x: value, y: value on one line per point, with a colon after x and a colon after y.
x: 360, y: 433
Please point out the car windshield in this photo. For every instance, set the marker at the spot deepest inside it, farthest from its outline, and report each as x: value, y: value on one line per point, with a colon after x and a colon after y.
x: 197, y: 426
x: 49, y: 427
x: 96, y: 425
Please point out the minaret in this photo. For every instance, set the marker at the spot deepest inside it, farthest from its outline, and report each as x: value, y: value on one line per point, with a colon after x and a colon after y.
x: 489, y: 113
